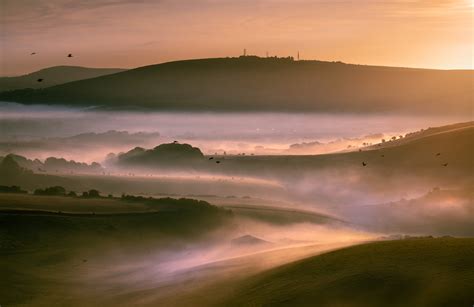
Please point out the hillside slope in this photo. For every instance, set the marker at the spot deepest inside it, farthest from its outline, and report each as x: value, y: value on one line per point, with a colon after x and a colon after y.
x: 455, y: 147
x: 53, y: 76
x: 266, y: 84
x: 418, y: 272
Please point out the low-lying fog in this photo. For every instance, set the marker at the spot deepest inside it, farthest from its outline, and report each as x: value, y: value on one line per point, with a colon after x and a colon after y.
x: 89, y: 135
x: 282, y: 211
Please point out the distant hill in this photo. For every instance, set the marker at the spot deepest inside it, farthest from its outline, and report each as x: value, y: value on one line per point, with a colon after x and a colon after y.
x: 266, y: 84
x: 416, y: 135
x: 12, y: 173
x: 55, y: 165
x: 163, y: 154
x: 426, y: 152
x: 53, y: 76
x: 412, y: 272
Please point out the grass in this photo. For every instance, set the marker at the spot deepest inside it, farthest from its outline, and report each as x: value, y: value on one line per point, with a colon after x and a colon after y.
x: 44, y: 253
x: 421, y: 272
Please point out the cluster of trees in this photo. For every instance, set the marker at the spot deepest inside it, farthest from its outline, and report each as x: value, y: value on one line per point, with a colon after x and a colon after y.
x: 91, y: 194
x: 51, y: 191
x: 12, y: 189
x: 188, y: 204
x: 393, y: 138
x: 61, y: 191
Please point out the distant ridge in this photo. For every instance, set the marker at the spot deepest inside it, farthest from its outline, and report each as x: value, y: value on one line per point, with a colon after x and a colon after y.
x: 266, y: 84
x: 53, y: 76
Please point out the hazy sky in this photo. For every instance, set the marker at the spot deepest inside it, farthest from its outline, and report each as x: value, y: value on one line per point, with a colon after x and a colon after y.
x: 131, y: 33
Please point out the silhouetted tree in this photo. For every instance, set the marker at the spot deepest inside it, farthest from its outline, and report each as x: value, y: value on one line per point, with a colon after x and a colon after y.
x: 72, y: 194
x: 51, y: 191
x: 94, y: 193
x: 11, y: 189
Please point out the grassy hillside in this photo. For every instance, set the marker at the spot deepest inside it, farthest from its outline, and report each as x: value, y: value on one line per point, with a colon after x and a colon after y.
x: 420, y: 154
x: 418, y: 272
x: 266, y: 84
x: 53, y: 76
x: 44, y: 255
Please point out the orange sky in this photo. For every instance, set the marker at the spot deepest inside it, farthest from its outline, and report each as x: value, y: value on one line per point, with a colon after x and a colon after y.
x: 131, y: 33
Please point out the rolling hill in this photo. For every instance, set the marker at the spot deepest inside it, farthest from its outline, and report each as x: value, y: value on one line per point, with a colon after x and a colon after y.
x: 416, y: 272
x: 454, y: 143
x: 53, y: 76
x: 266, y: 84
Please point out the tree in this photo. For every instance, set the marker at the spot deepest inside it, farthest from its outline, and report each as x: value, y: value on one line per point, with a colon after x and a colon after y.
x: 72, y: 194
x: 94, y: 193
x: 51, y: 191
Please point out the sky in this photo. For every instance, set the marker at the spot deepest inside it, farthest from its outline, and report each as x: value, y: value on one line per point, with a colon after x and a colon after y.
x: 131, y: 33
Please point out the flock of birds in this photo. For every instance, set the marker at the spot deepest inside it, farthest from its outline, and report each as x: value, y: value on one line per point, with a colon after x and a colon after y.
x: 382, y: 156
x: 217, y: 161
x: 41, y: 79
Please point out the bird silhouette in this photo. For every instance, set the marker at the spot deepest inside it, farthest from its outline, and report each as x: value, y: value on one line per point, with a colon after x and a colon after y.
x: 218, y: 162
x: 211, y: 158
x: 364, y: 164
x: 438, y: 154
x: 445, y: 164
x: 33, y: 53
x: 69, y: 55
x: 40, y: 80
x: 382, y: 156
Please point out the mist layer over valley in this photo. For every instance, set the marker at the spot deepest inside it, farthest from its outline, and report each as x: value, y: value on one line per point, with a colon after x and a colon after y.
x: 202, y: 153
x: 88, y: 136
x: 170, y: 207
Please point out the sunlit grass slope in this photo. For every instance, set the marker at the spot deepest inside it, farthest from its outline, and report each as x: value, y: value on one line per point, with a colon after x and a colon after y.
x: 417, y: 272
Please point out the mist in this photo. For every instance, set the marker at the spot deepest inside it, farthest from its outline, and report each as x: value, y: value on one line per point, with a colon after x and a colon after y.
x: 38, y: 130
x: 287, y: 187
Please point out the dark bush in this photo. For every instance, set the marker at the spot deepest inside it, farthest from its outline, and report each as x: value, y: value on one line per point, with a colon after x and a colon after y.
x: 94, y: 193
x: 51, y: 191
x: 72, y: 194
x: 11, y: 189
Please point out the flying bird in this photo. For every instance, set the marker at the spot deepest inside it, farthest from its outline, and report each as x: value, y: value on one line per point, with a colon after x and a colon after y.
x: 438, y: 154
x: 33, y: 53
x: 364, y: 164
x: 218, y: 162
x: 382, y: 156
x: 211, y: 158
x: 40, y: 80
x: 69, y: 55
x: 445, y: 164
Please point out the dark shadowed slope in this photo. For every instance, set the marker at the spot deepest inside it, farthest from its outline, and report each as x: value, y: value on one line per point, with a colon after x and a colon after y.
x: 266, y: 84
x: 417, y: 272
x: 53, y: 76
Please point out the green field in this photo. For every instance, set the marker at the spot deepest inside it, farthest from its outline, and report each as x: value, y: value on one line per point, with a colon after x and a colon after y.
x: 416, y: 272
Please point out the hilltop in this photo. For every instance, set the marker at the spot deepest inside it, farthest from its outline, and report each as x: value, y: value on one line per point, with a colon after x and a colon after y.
x: 265, y: 84
x: 416, y: 272
x: 161, y: 154
x: 53, y: 76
